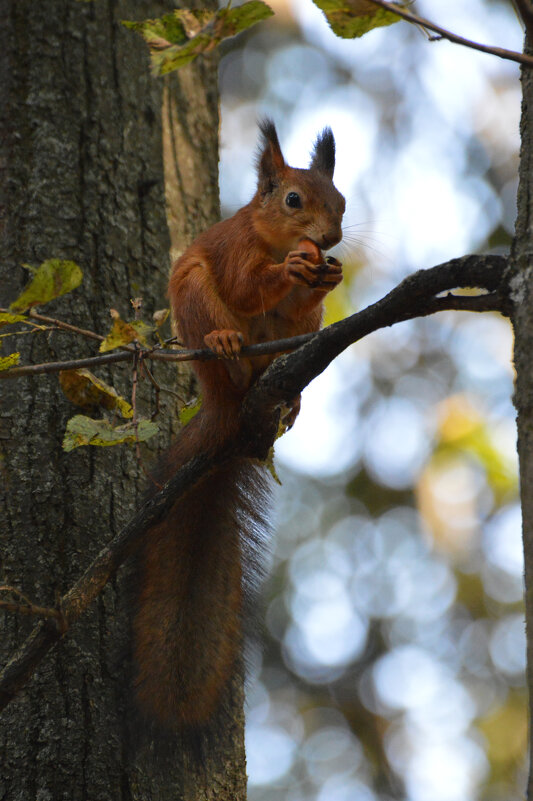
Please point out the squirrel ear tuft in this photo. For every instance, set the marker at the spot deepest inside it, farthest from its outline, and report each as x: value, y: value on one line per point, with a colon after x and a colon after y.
x: 270, y: 161
x: 323, y: 157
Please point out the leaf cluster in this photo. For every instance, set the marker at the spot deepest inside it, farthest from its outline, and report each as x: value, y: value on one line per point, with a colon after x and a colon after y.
x: 177, y: 39
x: 52, y: 279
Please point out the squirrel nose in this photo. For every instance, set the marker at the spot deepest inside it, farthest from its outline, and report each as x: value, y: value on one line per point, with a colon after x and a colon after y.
x: 332, y: 237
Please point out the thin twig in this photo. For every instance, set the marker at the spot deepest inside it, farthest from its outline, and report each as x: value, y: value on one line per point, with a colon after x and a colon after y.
x: 500, y: 52
x: 57, y: 324
x: 36, y: 329
x: 31, y: 609
x: 65, y: 326
x: 56, y: 367
x: 25, y: 606
x: 135, y: 377
x: 156, y: 386
x: 17, y: 593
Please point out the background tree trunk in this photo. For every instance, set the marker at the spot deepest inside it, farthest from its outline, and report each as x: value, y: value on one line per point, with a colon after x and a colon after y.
x: 522, y: 292
x: 81, y: 177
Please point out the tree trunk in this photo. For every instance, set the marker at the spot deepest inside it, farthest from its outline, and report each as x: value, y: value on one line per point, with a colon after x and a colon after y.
x: 81, y: 178
x: 522, y: 294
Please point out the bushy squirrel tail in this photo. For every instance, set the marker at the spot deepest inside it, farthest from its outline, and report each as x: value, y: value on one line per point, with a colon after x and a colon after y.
x: 191, y: 597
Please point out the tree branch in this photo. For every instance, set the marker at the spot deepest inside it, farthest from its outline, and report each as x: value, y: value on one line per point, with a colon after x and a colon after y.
x: 418, y: 295
x: 509, y: 55
x: 456, y: 302
x: 525, y: 10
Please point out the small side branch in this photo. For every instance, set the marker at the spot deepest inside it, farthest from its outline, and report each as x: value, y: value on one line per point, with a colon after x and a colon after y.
x: 57, y: 367
x: 64, y: 326
x: 500, y: 52
x: 21, y: 604
x: 418, y: 295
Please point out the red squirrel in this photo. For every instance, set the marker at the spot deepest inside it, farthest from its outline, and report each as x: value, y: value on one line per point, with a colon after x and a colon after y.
x: 257, y: 276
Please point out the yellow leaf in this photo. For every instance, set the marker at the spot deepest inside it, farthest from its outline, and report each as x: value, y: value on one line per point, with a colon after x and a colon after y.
x: 6, y: 318
x: 122, y: 333
x: 9, y: 361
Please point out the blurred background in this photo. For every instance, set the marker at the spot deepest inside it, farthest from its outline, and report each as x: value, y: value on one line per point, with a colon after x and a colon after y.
x: 395, y: 649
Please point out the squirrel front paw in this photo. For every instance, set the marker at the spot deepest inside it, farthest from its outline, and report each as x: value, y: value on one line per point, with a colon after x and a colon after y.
x: 225, y: 342
x: 301, y: 270
x: 331, y: 275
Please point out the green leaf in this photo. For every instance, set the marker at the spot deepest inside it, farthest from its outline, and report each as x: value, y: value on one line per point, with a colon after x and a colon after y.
x: 242, y: 17
x: 178, y: 38
x: 122, y: 333
x: 351, y: 19
x: 88, y: 391
x: 6, y: 318
x: 53, y: 278
x: 83, y: 430
x: 9, y: 361
x: 188, y: 412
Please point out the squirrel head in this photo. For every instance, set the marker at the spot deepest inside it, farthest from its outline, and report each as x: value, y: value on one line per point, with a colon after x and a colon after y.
x: 292, y: 203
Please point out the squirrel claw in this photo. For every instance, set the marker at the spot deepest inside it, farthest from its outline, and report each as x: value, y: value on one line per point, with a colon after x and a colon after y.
x: 293, y: 409
x: 225, y: 343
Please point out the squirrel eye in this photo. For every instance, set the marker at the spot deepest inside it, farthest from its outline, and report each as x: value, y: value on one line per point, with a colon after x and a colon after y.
x: 293, y: 200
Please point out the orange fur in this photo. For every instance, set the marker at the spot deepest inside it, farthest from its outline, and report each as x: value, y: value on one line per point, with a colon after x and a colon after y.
x: 257, y: 276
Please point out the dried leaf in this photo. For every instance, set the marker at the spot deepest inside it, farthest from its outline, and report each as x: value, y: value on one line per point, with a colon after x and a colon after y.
x: 88, y: 391
x: 122, y: 333
x: 160, y: 316
x: 269, y: 464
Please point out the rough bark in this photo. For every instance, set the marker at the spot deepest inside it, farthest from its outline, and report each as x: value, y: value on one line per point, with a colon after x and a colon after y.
x: 81, y: 177
x: 521, y: 285
x: 190, y: 159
